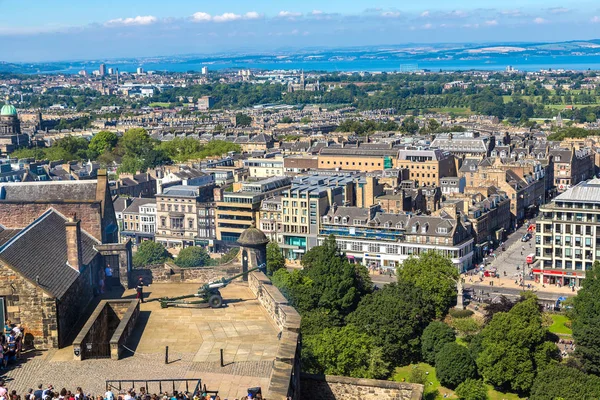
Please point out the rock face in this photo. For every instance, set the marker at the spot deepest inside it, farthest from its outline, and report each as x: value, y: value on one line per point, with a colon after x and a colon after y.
x: 343, y: 388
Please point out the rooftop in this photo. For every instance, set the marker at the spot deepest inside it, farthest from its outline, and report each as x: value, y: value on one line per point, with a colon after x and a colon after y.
x: 588, y: 192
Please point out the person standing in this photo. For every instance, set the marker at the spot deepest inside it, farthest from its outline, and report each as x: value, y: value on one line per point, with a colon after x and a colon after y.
x: 108, y: 273
x: 140, y: 290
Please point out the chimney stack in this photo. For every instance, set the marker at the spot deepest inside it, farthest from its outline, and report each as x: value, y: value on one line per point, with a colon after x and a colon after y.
x: 74, y: 251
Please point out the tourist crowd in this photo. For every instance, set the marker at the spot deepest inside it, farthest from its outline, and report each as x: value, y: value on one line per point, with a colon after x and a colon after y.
x: 50, y: 393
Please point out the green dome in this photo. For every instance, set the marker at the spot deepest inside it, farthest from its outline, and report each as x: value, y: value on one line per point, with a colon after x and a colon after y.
x: 8, y: 109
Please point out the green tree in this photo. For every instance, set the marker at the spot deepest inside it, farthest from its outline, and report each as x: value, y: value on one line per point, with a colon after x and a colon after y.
x: 586, y: 321
x: 275, y: 259
x: 454, y: 365
x: 150, y: 252
x: 434, y: 337
x: 102, y: 141
x: 435, y: 275
x: 510, y: 341
x: 472, y: 389
x: 286, y: 120
x: 136, y: 142
x: 305, y: 120
x: 192, y: 256
x: 327, y: 281
x: 560, y: 381
x: 242, y: 119
x: 396, y: 317
x: 344, y: 351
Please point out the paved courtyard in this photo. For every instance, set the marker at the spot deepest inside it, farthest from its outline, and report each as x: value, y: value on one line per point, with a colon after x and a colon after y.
x: 195, y: 336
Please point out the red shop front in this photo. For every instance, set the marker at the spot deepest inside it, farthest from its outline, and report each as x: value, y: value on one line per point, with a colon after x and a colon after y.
x: 562, y: 277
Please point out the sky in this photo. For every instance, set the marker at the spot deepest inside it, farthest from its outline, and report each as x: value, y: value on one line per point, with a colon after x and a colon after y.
x: 54, y: 30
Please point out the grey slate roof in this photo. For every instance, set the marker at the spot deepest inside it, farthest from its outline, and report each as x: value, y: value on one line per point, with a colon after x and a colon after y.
x: 135, y: 205
x: 588, y: 192
x: 40, y: 250
x: 48, y: 191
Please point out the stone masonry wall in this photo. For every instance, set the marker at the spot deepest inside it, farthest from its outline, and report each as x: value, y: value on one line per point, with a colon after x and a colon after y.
x: 317, y: 387
x: 169, y: 272
x: 285, y: 376
x: 30, y: 306
x: 19, y: 215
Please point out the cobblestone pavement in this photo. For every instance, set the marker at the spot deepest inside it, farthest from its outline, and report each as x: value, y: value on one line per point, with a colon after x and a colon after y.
x: 195, y: 337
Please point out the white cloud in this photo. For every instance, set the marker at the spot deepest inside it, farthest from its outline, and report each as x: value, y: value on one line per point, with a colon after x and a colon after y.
x: 139, y: 20
x: 201, y: 17
x: 227, y: 17
x: 492, y: 22
x: 596, y: 19
x: 289, y: 14
x: 317, y: 12
x: 390, y: 14
x: 511, y: 13
x: 251, y: 15
x: 425, y: 14
x: 295, y: 32
x: 540, y: 20
x: 427, y: 26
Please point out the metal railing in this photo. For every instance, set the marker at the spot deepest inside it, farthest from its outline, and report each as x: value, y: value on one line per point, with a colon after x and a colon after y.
x: 163, y: 385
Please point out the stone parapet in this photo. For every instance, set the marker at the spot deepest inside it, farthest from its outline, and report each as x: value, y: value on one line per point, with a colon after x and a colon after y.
x: 169, y: 272
x: 285, y: 376
x: 328, y: 387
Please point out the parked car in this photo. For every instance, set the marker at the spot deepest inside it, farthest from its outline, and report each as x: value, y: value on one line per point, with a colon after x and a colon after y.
x: 526, y: 237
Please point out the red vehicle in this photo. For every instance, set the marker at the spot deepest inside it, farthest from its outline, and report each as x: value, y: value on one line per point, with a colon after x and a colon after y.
x: 530, y: 258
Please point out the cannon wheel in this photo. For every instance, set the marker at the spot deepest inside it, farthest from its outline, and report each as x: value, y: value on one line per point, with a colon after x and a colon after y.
x: 215, y: 301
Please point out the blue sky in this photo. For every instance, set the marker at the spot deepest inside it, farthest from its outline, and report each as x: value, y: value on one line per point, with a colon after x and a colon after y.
x: 39, y: 30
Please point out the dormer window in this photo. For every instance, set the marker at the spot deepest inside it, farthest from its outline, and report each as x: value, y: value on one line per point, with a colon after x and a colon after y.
x: 345, y: 220
x: 442, y: 229
x: 336, y: 220
x: 557, y: 158
x: 424, y: 228
x: 400, y: 225
x: 325, y: 218
x: 388, y: 224
x: 415, y: 228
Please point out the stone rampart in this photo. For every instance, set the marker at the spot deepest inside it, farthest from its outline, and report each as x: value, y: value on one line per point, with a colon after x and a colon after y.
x: 320, y: 387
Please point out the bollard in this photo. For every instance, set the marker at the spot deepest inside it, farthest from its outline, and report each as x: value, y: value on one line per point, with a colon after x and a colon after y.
x: 222, y: 363
x: 166, y: 354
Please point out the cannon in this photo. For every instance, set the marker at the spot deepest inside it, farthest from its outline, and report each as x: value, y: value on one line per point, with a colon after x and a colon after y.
x: 207, y: 294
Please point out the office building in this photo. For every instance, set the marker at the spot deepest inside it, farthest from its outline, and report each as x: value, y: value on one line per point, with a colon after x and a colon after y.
x: 264, y: 167
x: 238, y: 210
x: 568, y: 235
x: 138, y: 221
x: 374, y: 238
x: 102, y: 69
x: 204, y: 70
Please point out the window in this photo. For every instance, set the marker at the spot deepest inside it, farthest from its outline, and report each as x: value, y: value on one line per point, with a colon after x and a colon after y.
x: 190, y: 223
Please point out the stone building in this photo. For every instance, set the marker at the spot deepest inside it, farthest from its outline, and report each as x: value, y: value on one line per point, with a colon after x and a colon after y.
x: 23, y: 202
x: 48, y: 273
x: 11, y: 137
x: 571, y: 166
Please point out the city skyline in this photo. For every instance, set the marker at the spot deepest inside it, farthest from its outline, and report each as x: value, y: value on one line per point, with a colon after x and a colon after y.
x: 61, y: 31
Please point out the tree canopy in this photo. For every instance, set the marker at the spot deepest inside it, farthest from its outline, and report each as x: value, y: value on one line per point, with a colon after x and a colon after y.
x: 586, y: 321
x: 192, y: 256
x: 560, y: 381
x: 472, y: 389
x: 434, y: 337
x: 435, y: 275
x: 150, y: 252
x: 275, y: 259
x: 509, y: 345
x: 396, y: 317
x: 454, y: 365
x: 345, y: 351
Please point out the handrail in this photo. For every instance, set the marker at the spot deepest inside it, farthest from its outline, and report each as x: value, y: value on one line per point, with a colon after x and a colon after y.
x: 198, y: 388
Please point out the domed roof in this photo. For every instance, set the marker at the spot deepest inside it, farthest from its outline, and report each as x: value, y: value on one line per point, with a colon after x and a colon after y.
x: 253, y: 237
x: 8, y: 109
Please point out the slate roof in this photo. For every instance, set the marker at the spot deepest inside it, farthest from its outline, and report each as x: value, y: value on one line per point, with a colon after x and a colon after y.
x: 48, y: 191
x: 7, y: 234
x: 135, y: 205
x: 588, y: 192
x: 40, y: 250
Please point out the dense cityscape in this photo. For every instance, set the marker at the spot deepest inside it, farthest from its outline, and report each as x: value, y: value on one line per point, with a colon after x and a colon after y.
x: 252, y: 233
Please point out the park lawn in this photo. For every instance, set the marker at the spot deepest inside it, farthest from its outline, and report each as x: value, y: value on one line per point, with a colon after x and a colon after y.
x: 456, y: 110
x: 435, y: 391
x: 496, y: 395
x: 558, y: 326
x: 158, y: 104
